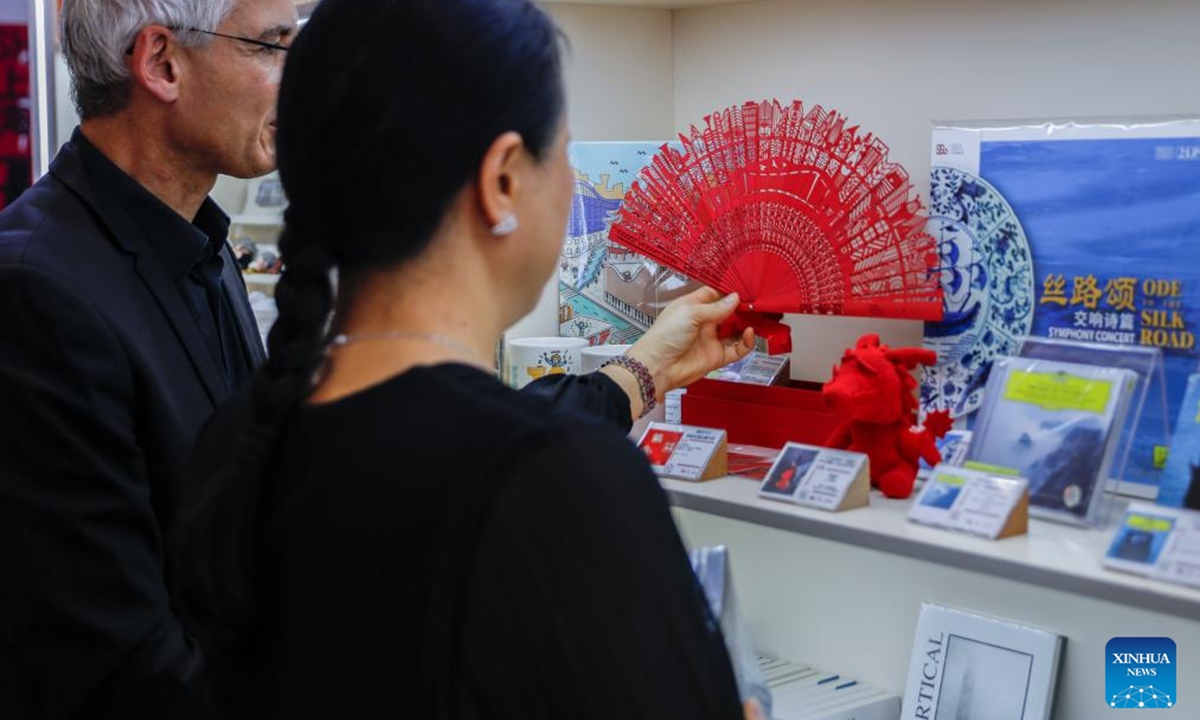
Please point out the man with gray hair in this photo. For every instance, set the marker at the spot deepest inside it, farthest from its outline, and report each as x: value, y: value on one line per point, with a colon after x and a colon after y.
x: 124, y: 325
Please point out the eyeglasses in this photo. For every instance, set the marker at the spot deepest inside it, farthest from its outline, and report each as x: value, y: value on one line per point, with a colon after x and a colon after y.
x: 260, y: 43
x: 251, y: 41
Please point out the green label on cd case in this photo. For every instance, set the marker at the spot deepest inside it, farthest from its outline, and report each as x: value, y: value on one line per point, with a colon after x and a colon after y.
x: 1059, y: 391
x: 1160, y: 456
x: 951, y: 480
x: 1149, y: 523
x: 992, y: 469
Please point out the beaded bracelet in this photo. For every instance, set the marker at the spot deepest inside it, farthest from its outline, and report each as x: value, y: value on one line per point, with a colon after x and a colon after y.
x: 645, y: 381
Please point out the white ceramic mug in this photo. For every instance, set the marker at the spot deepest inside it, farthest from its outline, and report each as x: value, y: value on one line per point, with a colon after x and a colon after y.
x: 531, y: 358
x: 597, y: 355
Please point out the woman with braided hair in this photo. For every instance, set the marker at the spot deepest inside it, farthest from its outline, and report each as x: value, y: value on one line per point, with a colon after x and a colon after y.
x: 380, y: 528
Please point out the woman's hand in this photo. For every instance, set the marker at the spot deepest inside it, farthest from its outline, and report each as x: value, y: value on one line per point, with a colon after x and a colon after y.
x: 751, y: 710
x: 682, y: 346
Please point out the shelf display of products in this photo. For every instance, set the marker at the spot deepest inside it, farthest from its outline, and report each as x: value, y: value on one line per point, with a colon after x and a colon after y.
x: 1063, y: 419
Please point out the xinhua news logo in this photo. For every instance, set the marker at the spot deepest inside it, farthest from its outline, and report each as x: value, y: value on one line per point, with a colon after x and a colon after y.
x: 1141, y: 673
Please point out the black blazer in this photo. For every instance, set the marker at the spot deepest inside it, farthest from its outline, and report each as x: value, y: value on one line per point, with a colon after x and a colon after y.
x: 104, y: 384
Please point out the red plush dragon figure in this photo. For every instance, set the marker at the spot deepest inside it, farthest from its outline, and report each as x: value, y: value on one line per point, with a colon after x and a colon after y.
x: 874, y: 389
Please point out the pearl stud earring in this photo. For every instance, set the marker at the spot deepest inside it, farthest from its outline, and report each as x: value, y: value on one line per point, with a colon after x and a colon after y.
x: 506, y: 226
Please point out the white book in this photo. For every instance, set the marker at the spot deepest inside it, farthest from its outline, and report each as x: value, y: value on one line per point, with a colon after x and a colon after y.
x: 966, y: 665
x: 789, y: 674
x: 800, y: 692
x: 834, y: 700
x: 803, y: 693
x: 1056, y: 424
x: 880, y: 705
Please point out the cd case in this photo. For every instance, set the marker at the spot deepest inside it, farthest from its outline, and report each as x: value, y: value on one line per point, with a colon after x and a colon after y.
x: 952, y: 447
x: 1180, y: 487
x: 1140, y: 538
x: 756, y: 368
x: 711, y: 565
x: 1054, y: 424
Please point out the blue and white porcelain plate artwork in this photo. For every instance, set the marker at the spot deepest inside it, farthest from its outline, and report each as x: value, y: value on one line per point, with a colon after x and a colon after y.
x: 988, y: 280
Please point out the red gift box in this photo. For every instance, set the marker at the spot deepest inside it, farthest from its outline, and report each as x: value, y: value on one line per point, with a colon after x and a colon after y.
x: 760, y: 415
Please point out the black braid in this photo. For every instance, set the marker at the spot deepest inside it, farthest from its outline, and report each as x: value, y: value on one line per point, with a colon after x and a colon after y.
x: 304, y: 297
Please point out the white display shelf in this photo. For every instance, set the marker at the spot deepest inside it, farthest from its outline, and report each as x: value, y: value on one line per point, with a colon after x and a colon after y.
x: 1051, y: 555
x: 846, y: 588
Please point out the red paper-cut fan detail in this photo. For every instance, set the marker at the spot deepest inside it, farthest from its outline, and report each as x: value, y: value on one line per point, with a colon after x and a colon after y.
x: 794, y: 211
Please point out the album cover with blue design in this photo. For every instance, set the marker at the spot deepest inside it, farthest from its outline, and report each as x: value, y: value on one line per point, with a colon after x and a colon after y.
x: 1082, y: 231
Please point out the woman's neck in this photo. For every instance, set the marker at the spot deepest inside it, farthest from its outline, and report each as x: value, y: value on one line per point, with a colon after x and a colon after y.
x: 392, y: 321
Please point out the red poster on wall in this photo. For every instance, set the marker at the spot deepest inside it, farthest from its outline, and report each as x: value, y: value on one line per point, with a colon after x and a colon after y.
x: 16, y: 148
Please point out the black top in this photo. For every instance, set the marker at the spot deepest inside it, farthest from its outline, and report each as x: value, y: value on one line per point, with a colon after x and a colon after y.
x: 440, y: 540
x: 105, y: 382
x: 190, y: 252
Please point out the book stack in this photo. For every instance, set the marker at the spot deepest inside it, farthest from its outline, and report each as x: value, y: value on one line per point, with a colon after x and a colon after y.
x: 800, y: 692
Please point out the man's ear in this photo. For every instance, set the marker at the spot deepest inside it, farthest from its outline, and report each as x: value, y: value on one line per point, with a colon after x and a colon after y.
x: 154, y: 62
x: 499, y: 178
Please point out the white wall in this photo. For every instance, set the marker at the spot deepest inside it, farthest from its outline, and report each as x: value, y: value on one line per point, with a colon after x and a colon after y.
x: 894, y: 67
x: 619, y: 87
x: 619, y: 72
x: 14, y: 12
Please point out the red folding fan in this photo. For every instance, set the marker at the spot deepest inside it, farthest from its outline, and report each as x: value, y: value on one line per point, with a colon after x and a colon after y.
x: 793, y: 210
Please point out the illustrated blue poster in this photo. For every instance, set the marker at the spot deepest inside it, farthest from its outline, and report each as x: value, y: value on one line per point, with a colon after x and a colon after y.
x: 608, y: 294
x: 1083, y: 232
